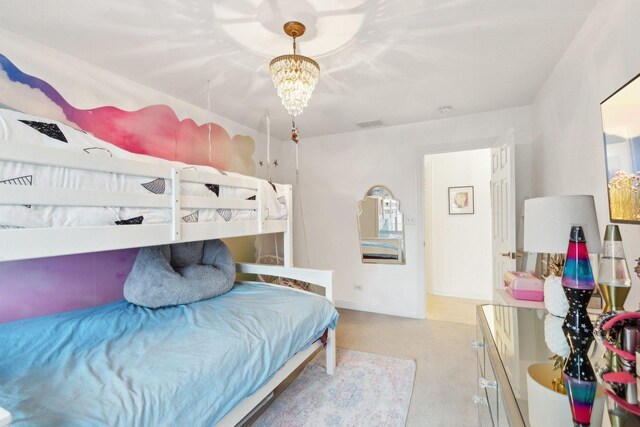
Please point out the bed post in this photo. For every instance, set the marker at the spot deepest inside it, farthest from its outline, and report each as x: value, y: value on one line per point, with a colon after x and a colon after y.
x: 288, y: 234
x: 331, y: 352
x: 330, y: 349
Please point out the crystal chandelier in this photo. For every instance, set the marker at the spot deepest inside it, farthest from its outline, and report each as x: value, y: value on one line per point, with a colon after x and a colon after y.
x: 294, y: 76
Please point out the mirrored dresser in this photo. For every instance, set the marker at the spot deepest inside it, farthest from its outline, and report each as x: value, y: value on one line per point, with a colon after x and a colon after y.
x: 509, y: 340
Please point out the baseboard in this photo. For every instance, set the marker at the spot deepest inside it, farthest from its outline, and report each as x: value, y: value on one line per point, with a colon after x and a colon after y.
x: 350, y: 305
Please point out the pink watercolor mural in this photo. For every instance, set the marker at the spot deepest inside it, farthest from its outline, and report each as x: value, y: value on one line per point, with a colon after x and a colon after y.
x: 44, y: 286
x: 155, y: 130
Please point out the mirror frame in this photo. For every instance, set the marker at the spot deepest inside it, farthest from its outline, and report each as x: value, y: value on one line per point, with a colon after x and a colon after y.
x: 389, y: 246
x: 622, y: 181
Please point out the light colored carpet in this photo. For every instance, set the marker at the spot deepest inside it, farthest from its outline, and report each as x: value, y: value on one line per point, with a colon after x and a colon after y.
x: 366, y: 390
x: 446, y: 376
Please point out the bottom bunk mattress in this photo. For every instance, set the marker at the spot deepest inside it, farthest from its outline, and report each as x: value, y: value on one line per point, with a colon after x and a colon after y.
x: 120, y: 364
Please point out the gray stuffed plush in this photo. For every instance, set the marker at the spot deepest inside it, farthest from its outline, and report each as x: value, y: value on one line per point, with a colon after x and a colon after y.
x: 180, y: 274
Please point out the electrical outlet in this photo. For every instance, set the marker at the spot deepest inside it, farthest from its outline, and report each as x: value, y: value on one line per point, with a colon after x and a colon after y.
x: 411, y: 219
x: 357, y: 287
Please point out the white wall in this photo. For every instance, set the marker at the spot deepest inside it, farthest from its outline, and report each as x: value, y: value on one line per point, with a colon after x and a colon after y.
x: 567, y: 132
x: 460, y: 244
x: 336, y: 171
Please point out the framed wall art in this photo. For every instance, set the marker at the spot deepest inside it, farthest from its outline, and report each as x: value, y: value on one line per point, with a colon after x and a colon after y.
x: 621, y: 129
x: 461, y: 200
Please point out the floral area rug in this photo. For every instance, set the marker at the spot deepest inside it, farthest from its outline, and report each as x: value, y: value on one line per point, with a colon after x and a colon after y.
x: 366, y: 390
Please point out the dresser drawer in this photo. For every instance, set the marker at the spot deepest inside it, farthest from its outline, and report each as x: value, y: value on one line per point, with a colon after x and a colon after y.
x: 486, y: 397
x: 495, y: 400
x: 488, y: 387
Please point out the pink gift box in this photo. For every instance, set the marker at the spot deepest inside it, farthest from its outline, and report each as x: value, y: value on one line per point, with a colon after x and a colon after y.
x: 524, y: 286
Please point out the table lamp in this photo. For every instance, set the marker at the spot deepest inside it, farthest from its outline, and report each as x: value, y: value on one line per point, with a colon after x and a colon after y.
x: 547, y: 222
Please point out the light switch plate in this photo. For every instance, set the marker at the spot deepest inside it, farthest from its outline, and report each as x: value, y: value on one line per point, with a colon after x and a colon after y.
x: 411, y: 219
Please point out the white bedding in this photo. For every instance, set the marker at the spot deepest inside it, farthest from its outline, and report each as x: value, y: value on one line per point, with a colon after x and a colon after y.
x: 14, y: 129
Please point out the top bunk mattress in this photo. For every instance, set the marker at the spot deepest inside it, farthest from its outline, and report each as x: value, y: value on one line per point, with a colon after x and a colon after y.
x: 124, y: 365
x: 20, y: 128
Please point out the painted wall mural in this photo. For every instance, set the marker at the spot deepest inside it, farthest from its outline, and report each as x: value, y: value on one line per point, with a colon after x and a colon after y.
x: 43, y: 286
x: 155, y: 130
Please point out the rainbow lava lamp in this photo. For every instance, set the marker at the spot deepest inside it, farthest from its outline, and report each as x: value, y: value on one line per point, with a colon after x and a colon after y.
x: 578, y: 284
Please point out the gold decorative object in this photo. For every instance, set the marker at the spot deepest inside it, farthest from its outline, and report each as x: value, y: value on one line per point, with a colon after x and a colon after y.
x: 624, y: 199
x: 557, y: 384
x: 294, y: 76
x: 614, y: 296
x: 554, y: 265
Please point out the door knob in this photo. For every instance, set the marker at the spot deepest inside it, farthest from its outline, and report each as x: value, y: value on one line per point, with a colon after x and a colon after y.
x: 512, y: 255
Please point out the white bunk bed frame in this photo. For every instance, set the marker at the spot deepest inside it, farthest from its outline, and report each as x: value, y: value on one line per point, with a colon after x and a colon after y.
x: 27, y: 243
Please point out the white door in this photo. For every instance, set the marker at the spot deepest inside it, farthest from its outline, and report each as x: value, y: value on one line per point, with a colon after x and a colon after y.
x: 503, y: 207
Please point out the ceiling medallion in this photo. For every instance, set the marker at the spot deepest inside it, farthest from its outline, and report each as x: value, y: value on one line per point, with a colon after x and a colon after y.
x: 294, y: 76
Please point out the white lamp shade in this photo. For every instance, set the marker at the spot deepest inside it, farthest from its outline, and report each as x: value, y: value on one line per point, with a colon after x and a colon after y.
x: 548, y: 221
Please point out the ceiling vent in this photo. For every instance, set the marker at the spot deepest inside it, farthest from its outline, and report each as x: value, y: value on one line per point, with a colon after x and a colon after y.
x: 369, y: 124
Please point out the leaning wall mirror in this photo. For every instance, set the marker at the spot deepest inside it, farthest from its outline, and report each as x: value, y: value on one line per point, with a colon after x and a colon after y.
x: 381, y: 227
x: 621, y: 127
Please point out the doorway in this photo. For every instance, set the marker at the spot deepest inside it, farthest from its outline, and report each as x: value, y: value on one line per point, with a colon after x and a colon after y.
x: 458, y: 245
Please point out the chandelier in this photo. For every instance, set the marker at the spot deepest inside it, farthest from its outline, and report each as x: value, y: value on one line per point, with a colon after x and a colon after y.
x: 294, y: 76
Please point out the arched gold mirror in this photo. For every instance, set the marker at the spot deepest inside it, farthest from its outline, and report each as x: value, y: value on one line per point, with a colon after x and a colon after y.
x: 381, y: 227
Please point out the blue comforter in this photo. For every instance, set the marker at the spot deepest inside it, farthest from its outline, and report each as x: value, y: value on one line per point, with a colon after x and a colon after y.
x: 120, y: 364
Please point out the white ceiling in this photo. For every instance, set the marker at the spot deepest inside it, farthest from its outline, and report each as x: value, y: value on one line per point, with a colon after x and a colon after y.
x: 391, y: 60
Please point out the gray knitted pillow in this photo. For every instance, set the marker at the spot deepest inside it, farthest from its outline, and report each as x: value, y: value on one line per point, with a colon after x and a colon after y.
x: 180, y: 274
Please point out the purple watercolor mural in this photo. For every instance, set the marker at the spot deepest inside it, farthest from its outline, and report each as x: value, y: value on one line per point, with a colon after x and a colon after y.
x: 44, y: 286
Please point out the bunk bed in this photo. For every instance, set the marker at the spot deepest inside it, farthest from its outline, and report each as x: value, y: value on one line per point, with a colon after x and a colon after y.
x: 84, y: 195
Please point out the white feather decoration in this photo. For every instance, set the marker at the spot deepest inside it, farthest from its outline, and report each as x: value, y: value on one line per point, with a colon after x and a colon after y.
x: 554, y: 298
x: 554, y: 336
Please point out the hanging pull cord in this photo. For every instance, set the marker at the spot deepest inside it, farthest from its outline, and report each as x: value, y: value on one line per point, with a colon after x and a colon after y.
x: 268, y: 118
x: 304, y: 226
x: 295, y: 138
x: 295, y: 134
x: 260, y: 238
x: 209, y: 118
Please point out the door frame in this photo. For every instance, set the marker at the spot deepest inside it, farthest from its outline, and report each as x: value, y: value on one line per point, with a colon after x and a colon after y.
x: 424, y: 241
x: 505, y: 143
